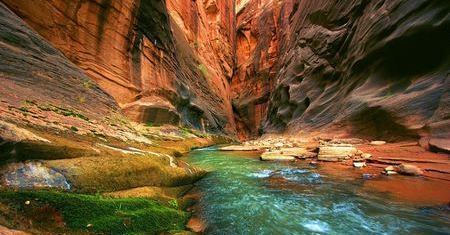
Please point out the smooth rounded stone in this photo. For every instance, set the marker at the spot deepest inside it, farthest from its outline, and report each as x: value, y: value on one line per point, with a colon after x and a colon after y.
x: 32, y: 175
x: 359, y: 164
x: 377, y: 142
x: 276, y: 156
x: 408, y: 169
x: 240, y: 148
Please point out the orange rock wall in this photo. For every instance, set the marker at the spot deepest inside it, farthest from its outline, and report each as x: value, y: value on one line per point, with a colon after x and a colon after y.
x: 176, y: 56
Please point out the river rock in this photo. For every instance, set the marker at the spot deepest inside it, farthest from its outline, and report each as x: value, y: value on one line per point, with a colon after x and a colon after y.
x: 359, y: 164
x: 389, y: 172
x: 408, y: 169
x: 31, y: 175
x: 276, y: 156
x: 336, y: 152
x: 377, y: 142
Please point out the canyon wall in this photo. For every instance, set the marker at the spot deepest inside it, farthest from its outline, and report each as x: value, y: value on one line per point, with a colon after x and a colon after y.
x: 373, y: 69
x: 257, y: 34
x: 376, y: 69
x: 162, y: 62
x: 32, y: 71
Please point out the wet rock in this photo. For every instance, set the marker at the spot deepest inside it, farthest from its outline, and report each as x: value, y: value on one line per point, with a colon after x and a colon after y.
x: 408, y: 169
x: 377, y: 142
x: 32, y: 175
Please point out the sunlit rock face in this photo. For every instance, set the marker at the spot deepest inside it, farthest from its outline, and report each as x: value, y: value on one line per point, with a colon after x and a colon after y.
x: 257, y: 48
x: 367, y: 68
x: 177, y: 54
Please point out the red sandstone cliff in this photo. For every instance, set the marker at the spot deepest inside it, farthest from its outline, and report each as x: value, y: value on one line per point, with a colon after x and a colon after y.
x: 162, y: 63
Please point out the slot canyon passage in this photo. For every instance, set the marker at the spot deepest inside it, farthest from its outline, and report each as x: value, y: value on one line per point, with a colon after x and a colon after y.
x: 224, y: 117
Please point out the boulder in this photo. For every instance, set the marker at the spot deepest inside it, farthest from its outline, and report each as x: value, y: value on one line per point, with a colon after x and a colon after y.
x: 439, y: 145
x: 336, y: 152
x: 408, y: 169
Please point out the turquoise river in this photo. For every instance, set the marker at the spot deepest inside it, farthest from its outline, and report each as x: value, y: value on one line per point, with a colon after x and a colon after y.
x: 243, y: 195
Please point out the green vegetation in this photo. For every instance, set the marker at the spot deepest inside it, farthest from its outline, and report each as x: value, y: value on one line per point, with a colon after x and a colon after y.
x: 24, y: 109
x: 92, y: 213
x: 63, y: 111
x: 73, y: 128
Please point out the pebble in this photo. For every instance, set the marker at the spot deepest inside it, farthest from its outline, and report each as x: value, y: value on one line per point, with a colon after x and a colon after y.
x: 359, y: 164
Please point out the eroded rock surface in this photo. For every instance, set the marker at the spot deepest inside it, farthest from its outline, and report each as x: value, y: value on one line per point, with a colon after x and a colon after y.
x: 374, y: 69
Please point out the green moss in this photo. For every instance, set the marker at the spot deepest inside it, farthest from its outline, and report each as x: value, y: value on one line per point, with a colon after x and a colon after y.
x: 95, y: 213
x: 24, y: 109
x: 73, y: 128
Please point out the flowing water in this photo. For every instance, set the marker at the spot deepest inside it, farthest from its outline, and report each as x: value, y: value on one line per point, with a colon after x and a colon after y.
x: 243, y: 195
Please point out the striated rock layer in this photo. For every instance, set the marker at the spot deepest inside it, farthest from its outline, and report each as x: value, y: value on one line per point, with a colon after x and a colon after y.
x: 159, y: 61
x: 376, y: 69
x: 32, y: 70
